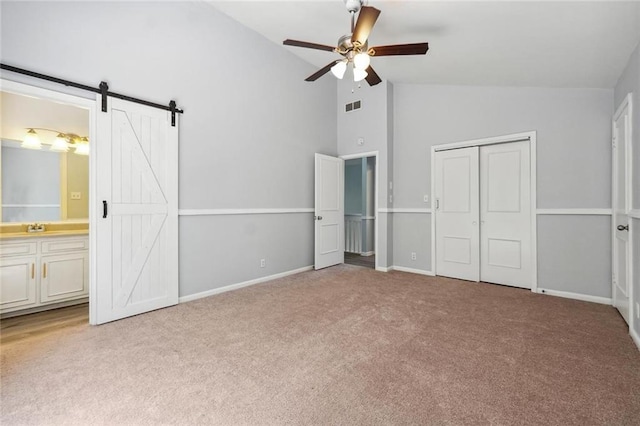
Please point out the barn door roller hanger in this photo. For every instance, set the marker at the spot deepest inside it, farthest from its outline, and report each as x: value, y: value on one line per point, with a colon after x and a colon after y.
x: 103, y: 90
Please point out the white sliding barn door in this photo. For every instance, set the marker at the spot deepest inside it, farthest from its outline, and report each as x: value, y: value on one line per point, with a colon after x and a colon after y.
x: 329, y: 211
x: 457, y: 213
x: 621, y: 208
x: 137, y: 241
x: 505, y: 214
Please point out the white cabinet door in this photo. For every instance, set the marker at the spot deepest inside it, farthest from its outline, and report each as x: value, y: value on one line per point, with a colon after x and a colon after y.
x: 64, y: 276
x: 18, y: 282
x: 505, y: 214
x: 457, y: 212
x: 137, y: 230
x: 329, y: 211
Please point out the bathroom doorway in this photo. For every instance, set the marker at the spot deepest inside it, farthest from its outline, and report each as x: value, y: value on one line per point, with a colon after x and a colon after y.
x: 44, y: 204
x: 359, y: 207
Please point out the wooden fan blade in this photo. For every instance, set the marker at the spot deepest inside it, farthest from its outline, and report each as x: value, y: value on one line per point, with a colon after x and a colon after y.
x: 366, y: 20
x: 372, y: 77
x: 321, y: 72
x: 401, y: 49
x: 308, y: 45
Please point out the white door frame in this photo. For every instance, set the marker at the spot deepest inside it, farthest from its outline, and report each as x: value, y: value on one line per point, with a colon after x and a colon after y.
x: 90, y: 105
x: 516, y: 137
x: 626, y: 102
x: 377, y: 186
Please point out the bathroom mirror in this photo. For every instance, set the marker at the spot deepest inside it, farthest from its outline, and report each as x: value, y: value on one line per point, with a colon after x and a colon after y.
x: 42, y: 183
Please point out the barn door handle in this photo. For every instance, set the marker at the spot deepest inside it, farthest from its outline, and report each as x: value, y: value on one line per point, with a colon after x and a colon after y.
x: 623, y: 228
x: 104, y: 209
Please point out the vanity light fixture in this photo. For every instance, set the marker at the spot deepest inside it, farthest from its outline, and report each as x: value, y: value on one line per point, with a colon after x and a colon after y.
x: 82, y: 146
x: 62, y: 142
x: 31, y: 140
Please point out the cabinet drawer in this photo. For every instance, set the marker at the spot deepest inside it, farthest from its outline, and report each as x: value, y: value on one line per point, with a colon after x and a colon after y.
x: 64, y: 245
x: 17, y: 249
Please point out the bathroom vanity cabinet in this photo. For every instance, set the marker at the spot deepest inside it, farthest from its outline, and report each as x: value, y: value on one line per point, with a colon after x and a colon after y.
x: 43, y: 271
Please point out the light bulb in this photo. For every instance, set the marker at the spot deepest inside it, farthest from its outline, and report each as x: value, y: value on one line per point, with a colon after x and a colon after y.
x: 339, y: 69
x: 60, y: 144
x: 31, y: 140
x: 359, y: 75
x: 361, y: 61
x: 82, y: 146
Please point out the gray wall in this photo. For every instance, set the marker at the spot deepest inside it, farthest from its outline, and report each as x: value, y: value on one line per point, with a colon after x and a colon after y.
x: 353, y: 187
x: 371, y: 122
x: 629, y: 82
x: 574, y: 167
x: 250, y: 128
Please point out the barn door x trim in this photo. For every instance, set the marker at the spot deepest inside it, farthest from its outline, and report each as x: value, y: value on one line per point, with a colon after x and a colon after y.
x: 518, y: 137
x: 103, y: 90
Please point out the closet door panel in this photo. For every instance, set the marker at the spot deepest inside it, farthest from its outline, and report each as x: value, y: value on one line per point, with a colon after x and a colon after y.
x: 505, y: 214
x: 457, y: 210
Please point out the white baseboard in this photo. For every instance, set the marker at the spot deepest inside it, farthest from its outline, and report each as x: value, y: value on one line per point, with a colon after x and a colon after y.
x: 576, y: 296
x: 383, y: 269
x: 635, y: 338
x: 412, y: 270
x: 236, y: 286
x: 368, y: 253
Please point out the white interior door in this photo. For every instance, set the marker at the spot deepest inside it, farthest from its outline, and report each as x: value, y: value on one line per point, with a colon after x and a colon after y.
x: 505, y: 214
x: 621, y: 207
x: 329, y: 211
x: 457, y: 214
x: 137, y: 228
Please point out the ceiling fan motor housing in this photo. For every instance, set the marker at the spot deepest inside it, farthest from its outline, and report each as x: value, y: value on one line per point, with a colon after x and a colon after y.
x: 347, y: 48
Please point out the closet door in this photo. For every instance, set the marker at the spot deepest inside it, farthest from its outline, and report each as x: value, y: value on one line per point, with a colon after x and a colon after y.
x: 505, y: 214
x: 457, y: 213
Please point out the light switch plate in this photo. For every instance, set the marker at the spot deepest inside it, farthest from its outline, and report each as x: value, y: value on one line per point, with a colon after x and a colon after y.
x: 426, y: 198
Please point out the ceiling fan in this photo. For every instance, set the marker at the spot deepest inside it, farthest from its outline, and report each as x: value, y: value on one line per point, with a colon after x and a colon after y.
x: 355, y: 49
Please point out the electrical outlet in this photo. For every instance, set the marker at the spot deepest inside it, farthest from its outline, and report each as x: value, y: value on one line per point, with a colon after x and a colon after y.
x: 263, y: 263
x: 76, y: 195
x: 413, y: 256
x: 391, y: 198
x: 360, y: 141
x: 426, y: 198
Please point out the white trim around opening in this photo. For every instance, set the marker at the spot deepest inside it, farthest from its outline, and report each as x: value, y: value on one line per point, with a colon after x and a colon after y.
x: 90, y: 105
x: 377, y: 189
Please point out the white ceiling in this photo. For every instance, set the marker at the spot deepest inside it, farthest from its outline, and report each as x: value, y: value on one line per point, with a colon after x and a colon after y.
x: 539, y: 44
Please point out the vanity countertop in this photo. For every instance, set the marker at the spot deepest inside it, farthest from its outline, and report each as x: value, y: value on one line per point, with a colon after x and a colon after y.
x: 62, y: 233
x: 60, y: 229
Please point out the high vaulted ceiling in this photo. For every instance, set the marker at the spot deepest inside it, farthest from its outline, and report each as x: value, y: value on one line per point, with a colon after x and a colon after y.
x: 515, y: 43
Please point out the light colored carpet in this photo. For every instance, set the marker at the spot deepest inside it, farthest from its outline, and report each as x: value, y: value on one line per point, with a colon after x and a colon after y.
x: 345, y: 345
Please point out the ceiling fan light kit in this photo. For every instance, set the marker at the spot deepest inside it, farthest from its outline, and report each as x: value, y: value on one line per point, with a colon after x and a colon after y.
x: 355, y: 49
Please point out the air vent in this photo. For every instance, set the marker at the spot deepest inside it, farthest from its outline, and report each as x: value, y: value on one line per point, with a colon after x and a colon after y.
x: 353, y: 105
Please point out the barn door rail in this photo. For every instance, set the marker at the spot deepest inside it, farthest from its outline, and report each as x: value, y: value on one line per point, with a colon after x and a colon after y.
x: 103, y: 90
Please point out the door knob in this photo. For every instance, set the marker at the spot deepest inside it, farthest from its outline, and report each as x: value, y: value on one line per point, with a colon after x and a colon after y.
x: 317, y: 217
x: 623, y: 228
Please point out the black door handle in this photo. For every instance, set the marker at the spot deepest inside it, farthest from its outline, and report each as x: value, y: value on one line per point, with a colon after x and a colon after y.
x: 104, y: 209
x: 623, y: 228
